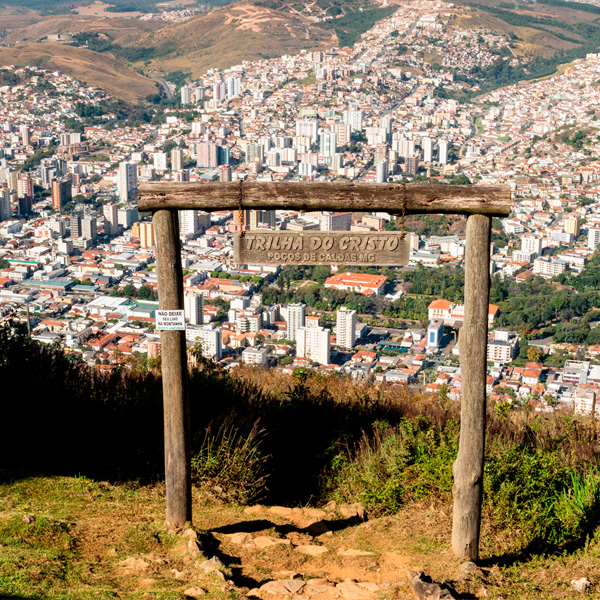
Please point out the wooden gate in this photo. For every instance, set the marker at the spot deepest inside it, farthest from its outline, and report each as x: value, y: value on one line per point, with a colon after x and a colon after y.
x: 479, y: 203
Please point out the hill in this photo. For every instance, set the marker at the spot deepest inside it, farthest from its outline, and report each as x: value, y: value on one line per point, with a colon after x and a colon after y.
x: 241, y: 31
x: 103, y: 71
x: 555, y: 30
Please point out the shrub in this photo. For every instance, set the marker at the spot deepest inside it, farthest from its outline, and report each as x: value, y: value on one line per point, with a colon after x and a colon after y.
x: 231, y: 464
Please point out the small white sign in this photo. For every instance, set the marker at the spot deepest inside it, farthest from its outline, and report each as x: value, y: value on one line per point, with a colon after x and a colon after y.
x: 170, y: 320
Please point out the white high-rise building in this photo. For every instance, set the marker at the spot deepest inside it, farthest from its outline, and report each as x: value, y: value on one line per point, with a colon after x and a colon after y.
x: 128, y: 181
x: 532, y: 244
x: 25, y: 137
x: 354, y: 118
x: 313, y: 343
x: 443, y: 152
x: 427, y: 149
x: 127, y: 216
x: 177, y: 159
x: 111, y: 219
x: 307, y: 128
x: 188, y: 223
x: 210, y: 340
x: 381, y: 171
x: 593, y: 240
x: 186, y: 95
x: 345, y: 327
x: 160, y: 161
x: 328, y: 143
x: 233, y: 87
x: 193, y: 306
x: 296, y: 317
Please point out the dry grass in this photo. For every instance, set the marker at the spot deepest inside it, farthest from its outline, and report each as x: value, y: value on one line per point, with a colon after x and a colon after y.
x: 100, y: 70
x: 84, y: 531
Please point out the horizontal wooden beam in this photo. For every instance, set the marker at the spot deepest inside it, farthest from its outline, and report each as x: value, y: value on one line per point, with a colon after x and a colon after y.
x: 491, y: 200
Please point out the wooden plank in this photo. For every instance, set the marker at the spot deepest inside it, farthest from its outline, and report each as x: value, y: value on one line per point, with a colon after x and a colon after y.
x: 468, y: 467
x: 174, y: 372
x: 492, y: 200
x: 321, y: 248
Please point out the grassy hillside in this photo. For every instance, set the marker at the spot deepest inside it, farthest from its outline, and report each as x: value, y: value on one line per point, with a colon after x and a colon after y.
x: 81, y: 497
x: 102, y: 71
x: 225, y: 37
x: 552, y: 29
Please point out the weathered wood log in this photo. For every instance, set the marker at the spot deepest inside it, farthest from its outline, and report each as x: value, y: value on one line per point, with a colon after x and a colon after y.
x: 174, y: 372
x: 448, y: 199
x: 468, y: 467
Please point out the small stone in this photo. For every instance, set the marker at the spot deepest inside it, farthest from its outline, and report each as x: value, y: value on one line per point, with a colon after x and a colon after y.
x: 470, y: 568
x: 147, y: 583
x: 311, y: 549
x: 112, y: 552
x: 315, y: 513
x: 239, y: 538
x: 369, y: 586
x: 580, y: 585
x: 287, y: 574
x: 177, y: 574
x: 190, y: 533
x: 352, y: 591
x: 194, y: 592
x: 330, y: 506
x: 319, y: 581
x: 322, y: 591
x: 281, y: 511
x: 264, y: 541
x: 194, y: 548
x: 353, y: 510
x: 257, y: 508
x: 29, y: 519
x: 283, y: 586
x: 212, y: 563
x: 430, y: 591
x: 135, y: 563
x: 354, y: 552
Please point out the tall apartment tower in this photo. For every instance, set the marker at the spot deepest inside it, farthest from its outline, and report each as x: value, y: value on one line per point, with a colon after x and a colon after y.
x: 193, y: 307
x: 111, y: 219
x: 296, y: 318
x: 443, y: 152
x: 128, y: 181
x: 25, y: 136
x: 346, y: 327
x: 177, y: 159
x: 571, y: 225
x: 188, y: 223
x: 427, y: 144
x: 313, y: 343
x: 89, y: 229
x: 75, y: 225
x: 146, y: 234
x: 61, y: 192
x: 207, y: 155
x: 5, y: 212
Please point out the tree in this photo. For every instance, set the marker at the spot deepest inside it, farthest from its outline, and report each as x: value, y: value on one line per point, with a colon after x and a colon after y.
x: 534, y: 354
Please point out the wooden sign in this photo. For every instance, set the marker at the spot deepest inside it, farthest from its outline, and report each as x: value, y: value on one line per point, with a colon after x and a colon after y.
x: 321, y: 248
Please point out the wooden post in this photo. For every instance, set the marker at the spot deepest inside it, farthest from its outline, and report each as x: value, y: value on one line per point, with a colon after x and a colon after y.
x: 174, y: 371
x: 468, y: 468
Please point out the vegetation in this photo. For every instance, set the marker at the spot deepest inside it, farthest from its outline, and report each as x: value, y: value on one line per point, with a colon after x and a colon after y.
x: 387, y: 448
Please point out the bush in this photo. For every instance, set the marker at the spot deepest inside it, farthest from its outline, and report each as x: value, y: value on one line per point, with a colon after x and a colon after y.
x: 231, y: 465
